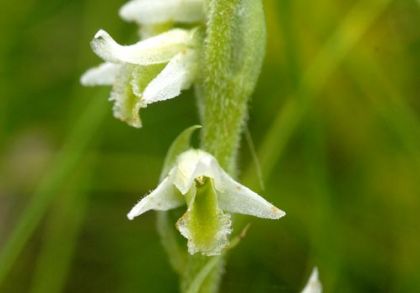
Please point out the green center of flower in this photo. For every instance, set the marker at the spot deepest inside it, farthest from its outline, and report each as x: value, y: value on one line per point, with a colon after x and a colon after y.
x: 206, y: 224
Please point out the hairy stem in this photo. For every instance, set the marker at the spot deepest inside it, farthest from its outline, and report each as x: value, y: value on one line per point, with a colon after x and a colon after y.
x: 231, y: 60
x: 221, y: 126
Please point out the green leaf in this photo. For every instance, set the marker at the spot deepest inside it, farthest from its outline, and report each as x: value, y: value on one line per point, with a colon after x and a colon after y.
x: 179, y: 145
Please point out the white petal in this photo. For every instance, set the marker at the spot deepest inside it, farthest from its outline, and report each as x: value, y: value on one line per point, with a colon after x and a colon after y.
x: 163, y: 198
x: 313, y: 285
x: 191, y: 165
x: 236, y: 198
x: 158, y: 11
x: 176, y: 76
x: 154, y: 50
x: 104, y: 74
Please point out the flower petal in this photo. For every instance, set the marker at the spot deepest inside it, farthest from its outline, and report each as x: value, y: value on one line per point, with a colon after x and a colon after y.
x: 158, y: 11
x: 163, y: 198
x: 157, y: 49
x: 104, y: 74
x: 126, y: 103
x: 191, y: 165
x: 236, y: 198
x: 176, y: 76
x: 313, y: 285
x: 204, y: 225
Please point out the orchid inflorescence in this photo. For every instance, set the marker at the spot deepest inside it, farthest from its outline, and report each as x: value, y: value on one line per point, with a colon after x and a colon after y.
x: 218, y: 46
x: 157, y: 68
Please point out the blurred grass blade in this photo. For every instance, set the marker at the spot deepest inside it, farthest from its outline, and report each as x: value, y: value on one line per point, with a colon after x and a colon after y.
x: 63, y: 227
x: 348, y: 33
x: 392, y: 107
x: 254, y: 156
x: 66, y: 161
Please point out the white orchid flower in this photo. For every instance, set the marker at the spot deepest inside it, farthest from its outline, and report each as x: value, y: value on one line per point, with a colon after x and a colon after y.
x: 313, y: 285
x: 210, y: 194
x: 152, y: 70
x: 151, y: 12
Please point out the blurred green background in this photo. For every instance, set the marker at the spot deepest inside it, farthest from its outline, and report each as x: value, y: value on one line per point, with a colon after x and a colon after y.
x: 334, y: 120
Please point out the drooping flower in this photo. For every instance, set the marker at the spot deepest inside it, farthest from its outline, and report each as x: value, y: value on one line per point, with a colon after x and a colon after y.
x: 152, y: 70
x: 211, y: 195
x: 313, y: 285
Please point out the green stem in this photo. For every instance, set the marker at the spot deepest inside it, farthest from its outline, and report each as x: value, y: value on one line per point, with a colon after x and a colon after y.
x: 233, y: 53
x: 232, y: 56
x: 220, y: 136
x: 221, y: 126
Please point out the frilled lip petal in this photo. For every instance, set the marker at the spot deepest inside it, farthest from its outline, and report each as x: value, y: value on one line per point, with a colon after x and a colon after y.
x: 163, y: 198
x: 159, y: 11
x: 104, y: 74
x: 177, y: 75
x: 126, y: 103
x: 205, y: 225
x: 154, y: 50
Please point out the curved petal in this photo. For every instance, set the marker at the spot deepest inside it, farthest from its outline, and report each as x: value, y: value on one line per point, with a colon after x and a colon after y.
x: 179, y: 74
x: 159, y: 11
x: 163, y: 198
x: 154, y: 50
x: 236, y: 198
x: 104, y: 74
